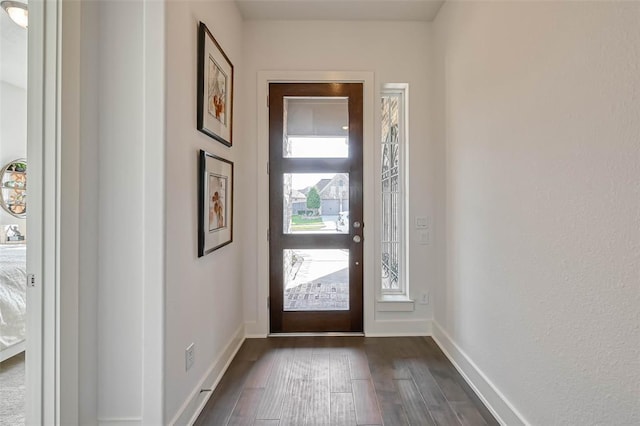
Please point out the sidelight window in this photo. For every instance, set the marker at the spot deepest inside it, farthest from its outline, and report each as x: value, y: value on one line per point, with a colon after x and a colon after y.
x: 393, y: 147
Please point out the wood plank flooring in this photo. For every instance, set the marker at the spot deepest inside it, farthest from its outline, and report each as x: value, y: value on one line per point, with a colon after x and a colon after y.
x: 343, y: 381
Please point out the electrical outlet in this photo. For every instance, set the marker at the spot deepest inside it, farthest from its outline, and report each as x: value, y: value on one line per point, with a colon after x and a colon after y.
x: 424, y: 237
x: 189, y: 357
x: 424, y: 298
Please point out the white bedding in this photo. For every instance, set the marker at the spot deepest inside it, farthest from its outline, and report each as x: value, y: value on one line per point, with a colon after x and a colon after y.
x: 13, y: 295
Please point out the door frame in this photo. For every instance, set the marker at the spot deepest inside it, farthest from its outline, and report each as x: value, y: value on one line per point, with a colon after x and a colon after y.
x: 42, y: 378
x: 52, y: 247
x: 260, y: 326
x: 350, y: 320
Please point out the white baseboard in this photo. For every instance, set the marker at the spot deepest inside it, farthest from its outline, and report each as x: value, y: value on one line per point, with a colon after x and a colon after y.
x: 114, y: 421
x: 191, y: 408
x: 378, y: 328
x: 253, y: 330
x: 256, y: 336
x: 504, y: 412
x: 396, y: 328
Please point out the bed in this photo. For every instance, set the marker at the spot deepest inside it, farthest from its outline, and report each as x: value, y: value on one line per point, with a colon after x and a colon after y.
x: 13, y: 297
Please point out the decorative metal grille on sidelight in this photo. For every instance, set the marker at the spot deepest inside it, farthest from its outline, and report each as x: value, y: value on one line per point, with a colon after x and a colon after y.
x: 392, y: 193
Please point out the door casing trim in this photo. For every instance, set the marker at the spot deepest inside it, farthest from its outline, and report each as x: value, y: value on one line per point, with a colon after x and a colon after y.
x: 42, y: 378
x: 370, y: 134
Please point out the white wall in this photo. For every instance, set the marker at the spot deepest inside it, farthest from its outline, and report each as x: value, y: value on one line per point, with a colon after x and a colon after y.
x: 121, y: 225
x: 541, y: 117
x: 131, y: 201
x: 396, y: 53
x: 203, y: 295
x: 89, y: 215
x: 114, y: 108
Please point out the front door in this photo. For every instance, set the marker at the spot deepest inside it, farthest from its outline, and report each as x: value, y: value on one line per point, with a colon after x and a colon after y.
x: 315, y: 208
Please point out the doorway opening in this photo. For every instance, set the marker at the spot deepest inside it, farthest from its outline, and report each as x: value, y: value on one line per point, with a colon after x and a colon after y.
x: 13, y: 212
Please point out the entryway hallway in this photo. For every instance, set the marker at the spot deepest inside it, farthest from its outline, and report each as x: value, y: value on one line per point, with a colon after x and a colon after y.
x: 343, y: 381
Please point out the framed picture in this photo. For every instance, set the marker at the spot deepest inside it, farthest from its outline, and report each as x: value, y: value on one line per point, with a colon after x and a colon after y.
x: 215, y: 88
x: 215, y: 203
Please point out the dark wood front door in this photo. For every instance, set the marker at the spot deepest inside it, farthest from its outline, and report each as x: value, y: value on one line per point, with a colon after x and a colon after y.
x: 315, y: 207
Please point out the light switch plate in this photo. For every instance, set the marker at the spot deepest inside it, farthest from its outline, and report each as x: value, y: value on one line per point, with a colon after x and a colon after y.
x: 422, y: 222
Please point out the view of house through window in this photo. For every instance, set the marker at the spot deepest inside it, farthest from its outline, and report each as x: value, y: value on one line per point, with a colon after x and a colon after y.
x: 316, y: 203
x: 392, y: 181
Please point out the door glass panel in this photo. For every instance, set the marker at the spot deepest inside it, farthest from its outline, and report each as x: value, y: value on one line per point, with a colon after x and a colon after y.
x: 316, y: 280
x: 316, y: 128
x: 315, y: 203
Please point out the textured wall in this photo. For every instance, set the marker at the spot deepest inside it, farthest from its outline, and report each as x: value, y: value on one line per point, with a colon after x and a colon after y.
x: 540, y: 120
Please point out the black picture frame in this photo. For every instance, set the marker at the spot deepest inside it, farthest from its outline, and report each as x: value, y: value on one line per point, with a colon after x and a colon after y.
x: 215, y: 202
x: 215, y: 74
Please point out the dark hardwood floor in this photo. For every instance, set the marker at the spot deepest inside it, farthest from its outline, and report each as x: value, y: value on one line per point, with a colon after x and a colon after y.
x: 343, y: 381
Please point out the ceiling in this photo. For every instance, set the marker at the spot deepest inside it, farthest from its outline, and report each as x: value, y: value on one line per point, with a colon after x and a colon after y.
x: 13, y: 39
x: 342, y: 10
x: 13, y: 52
